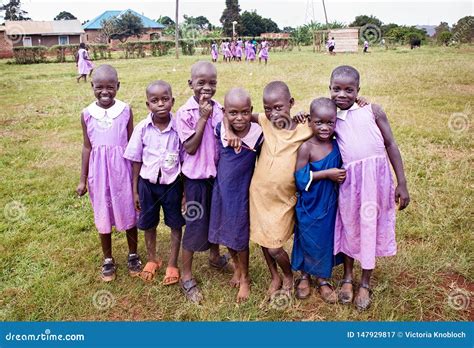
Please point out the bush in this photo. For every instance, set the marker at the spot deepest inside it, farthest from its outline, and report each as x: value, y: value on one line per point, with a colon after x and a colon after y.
x: 30, y: 55
x: 100, y: 51
x: 63, y: 50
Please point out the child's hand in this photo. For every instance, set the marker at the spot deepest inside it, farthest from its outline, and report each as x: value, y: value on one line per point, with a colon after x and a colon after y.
x: 301, y: 117
x: 336, y: 175
x: 402, y: 198
x: 205, y: 107
x: 81, y: 189
x: 136, y: 201
x: 233, y: 140
x: 361, y: 101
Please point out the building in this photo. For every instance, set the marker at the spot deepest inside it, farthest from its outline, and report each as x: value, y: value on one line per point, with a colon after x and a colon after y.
x: 93, y: 28
x: 347, y: 40
x: 38, y: 33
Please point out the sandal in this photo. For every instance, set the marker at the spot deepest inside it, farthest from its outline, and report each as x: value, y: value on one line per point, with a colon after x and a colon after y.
x: 332, y: 297
x: 346, y: 297
x: 191, y: 290
x: 363, y: 304
x: 172, y: 276
x: 134, y: 265
x: 304, y: 292
x: 148, y: 272
x: 223, y: 264
x: 108, y: 270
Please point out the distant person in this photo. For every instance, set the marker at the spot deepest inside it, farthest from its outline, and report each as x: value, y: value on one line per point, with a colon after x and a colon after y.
x: 331, y: 46
x: 263, y: 54
x: 366, y: 46
x: 83, y: 63
x: 214, y: 52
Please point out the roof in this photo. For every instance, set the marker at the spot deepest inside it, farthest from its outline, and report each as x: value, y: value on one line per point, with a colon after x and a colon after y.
x: 65, y: 27
x: 96, y: 23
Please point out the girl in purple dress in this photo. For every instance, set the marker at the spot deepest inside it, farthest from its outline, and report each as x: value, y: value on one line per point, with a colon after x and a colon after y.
x: 365, y: 221
x: 83, y: 63
x: 229, y: 223
x: 214, y: 52
x: 107, y: 125
x: 250, y: 52
x: 263, y: 52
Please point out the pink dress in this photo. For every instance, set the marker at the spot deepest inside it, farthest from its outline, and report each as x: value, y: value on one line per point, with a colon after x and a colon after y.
x: 110, y: 174
x: 84, y: 66
x: 250, y: 52
x: 214, y: 52
x: 264, y: 50
x: 365, y: 221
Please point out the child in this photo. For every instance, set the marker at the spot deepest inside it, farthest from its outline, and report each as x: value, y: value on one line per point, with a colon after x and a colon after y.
x: 214, y: 52
x: 154, y: 150
x: 238, y: 50
x: 107, y: 125
x: 264, y: 52
x: 229, y: 223
x: 366, y: 46
x: 365, y: 222
x: 250, y: 52
x: 331, y: 46
x: 83, y: 63
x: 317, y: 177
x: 196, y: 121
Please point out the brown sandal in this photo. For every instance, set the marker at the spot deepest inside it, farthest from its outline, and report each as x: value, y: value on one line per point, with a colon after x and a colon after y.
x: 171, y: 276
x: 148, y: 272
x: 346, y: 297
x: 305, y: 292
x: 332, y: 297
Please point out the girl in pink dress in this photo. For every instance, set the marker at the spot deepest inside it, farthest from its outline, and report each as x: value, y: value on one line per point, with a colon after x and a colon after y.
x: 83, y: 63
x: 263, y: 52
x: 107, y: 125
x: 250, y: 52
x: 365, y: 221
x: 214, y: 52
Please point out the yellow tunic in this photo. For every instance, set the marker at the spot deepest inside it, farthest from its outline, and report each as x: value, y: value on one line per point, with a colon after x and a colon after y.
x: 272, y: 190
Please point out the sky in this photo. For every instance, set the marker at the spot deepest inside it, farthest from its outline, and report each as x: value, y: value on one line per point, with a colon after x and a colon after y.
x: 285, y: 13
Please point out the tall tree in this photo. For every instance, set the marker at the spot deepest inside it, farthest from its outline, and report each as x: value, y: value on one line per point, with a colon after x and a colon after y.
x: 231, y: 13
x: 165, y: 20
x: 123, y: 27
x: 64, y: 15
x: 362, y: 20
x: 201, y: 22
x: 463, y: 30
x: 253, y: 24
x: 13, y: 11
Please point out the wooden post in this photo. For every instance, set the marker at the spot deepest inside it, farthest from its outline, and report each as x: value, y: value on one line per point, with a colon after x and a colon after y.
x: 176, y: 34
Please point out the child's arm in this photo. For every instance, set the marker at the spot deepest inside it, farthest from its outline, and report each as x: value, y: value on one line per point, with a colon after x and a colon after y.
x: 233, y: 140
x: 130, y: 125
x: 192, y: 144
x: 86, y: 152
x: 402, y: 198
x: 136, y: 166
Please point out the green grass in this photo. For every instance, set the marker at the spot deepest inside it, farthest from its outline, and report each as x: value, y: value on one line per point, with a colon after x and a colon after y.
x: 50, y: 253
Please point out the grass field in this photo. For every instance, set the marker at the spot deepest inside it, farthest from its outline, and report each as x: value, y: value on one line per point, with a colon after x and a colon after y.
x: 50, y: 253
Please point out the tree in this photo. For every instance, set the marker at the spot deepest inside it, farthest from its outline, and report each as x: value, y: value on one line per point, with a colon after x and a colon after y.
x: 463, y: 30
x: 13, y: 11
x: 231, y: 13
x: 253, y: 24
x: 201, y: 22
x: 166, y: 21
x: 441, y: 28
x: 404, y: 34
x: 444, y: 38
x: 64, y: 15
x: 360, y: 21
x: 123, y: 27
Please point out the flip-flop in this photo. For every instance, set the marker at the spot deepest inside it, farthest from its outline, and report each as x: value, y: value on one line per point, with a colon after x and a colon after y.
x: 346, y: 297
x: 363, y: 305
x: 148, y: 272
x: 191, y: 290
x: 299, y: 292
x: 332, y: 297
x: 223, y: 264
x: 172, y: 276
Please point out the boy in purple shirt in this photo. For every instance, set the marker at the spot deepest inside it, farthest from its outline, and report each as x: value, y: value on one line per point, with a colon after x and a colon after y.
x: 154, y: 150
x: 195, y: 122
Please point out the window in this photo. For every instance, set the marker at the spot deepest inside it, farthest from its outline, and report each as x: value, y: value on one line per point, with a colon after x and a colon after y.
x: 63, y: 40
x: 27, y: 41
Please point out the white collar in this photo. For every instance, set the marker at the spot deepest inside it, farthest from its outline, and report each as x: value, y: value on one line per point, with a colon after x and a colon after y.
x: 113, y: 112
x: 342, y: 114
x: 250, y: 139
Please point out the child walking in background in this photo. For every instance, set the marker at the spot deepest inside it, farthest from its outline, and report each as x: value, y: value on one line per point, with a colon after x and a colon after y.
x: 238, y: 50
x: 365, y: 222
x: 154, y: 150
x: 264, y: 48
x: 317, y: 177
x: 250, y: 52
x: 229, y: 223
x: 214, y: 52
x: 196, y: 121
x: 107, y: 125
x: 83, y: 63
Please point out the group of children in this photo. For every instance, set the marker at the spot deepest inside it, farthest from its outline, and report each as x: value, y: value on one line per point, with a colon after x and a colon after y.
x: 245, y: 176
x: 235, y: 50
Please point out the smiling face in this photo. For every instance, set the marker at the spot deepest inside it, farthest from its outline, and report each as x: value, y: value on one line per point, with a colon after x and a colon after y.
x: 344, y: 90
x: 105, y: 85
x: 277, y: 106
x: 203, y: 80
x: 238, y: 110
x: 322, y: 122
x: 160, y: 100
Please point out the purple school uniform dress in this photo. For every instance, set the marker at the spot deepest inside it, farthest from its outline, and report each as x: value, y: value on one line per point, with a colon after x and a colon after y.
x: 214, y: 52
x: 110, y: 175
x: 84, y: 66
x: 250, y: 51
x: 264, y: 50
x: 365, y: 221
x: 230, y: 220
x: 199, y: 171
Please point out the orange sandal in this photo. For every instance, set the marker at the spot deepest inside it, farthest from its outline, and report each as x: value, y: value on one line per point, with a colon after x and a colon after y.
x: 172, y: 276
x: 148, y: 272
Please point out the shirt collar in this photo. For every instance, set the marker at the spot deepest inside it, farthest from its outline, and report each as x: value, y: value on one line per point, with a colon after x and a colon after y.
x: 250, y: 139
x: 342, y: 114
x: 171, y: 124
x: 113, y: 112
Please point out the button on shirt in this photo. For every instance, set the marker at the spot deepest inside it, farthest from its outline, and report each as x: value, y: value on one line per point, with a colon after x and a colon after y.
x: 159, y: 151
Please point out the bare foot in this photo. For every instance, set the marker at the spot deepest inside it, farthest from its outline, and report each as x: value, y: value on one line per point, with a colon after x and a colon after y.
x: 235, y: 281
x: 244, y: 291
x: 288, y: 282
x: 362, y: 299
x: 275, y: 285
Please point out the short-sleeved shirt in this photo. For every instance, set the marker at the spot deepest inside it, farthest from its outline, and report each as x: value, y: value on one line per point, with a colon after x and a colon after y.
x: 203, y: 164
x: 159, y: 151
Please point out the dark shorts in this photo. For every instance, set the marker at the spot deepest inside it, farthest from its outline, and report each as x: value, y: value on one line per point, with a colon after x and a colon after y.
x: 153, y: 197
x: 331, y: 48
x: 198, y: 194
